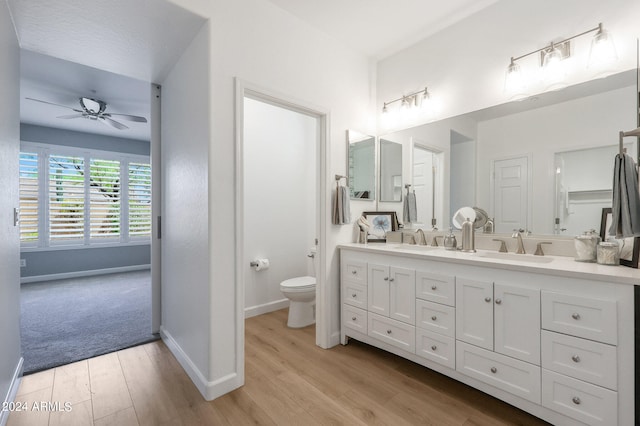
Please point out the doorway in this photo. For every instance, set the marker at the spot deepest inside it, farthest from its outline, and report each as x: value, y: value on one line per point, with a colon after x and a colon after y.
x: 510, y: 182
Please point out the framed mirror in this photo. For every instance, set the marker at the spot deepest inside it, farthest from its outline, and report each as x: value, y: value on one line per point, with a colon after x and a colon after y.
x: 390, y: 171
x: 361, y: 160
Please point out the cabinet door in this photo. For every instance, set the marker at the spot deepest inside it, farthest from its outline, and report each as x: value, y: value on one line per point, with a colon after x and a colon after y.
x: 517, y: 322
x: 378, y: 289
x: 474, y: 312
x: 402, y: 294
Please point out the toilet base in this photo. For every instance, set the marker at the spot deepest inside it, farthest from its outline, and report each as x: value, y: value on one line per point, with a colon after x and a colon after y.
x: 301, y: 314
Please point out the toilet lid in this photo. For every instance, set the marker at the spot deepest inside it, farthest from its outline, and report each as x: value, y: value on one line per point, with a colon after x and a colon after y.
x: 299, y: 282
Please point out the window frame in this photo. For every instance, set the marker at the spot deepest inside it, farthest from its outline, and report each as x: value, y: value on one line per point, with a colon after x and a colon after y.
x: 44, y: 152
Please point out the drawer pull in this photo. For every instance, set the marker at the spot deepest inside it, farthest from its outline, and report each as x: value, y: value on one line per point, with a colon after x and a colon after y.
x: 434, y: 287
x: 354, y: 272
x: 575, y: 316
x: 354, y: 295
x: 388, y: 331
x: 353, y: 318
x: 487, y: 299
x: 434, y: 347
x: 433, y: 318
x: 494, y: 370
x: 575, y: 358
x: 498, y: 301
x: 386, y: 278
x: 576, y: 400
x: 390, y: 279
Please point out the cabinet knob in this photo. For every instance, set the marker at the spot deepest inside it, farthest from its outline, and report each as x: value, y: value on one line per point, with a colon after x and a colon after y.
x: 494, y: 370
x: 354, y: 272
x: 498, y: 301
x: 575, y: 316
x: 354, y: 295
x: 390, y: 279
x: 433, y: 318
x: 576, y: 400
x: 386, y: 278
x: 575, y: 358
x: 434, y: 287
x: 388, y: 331
x: 487, y: 299
x: 434, y: 347
x: 353, y: 318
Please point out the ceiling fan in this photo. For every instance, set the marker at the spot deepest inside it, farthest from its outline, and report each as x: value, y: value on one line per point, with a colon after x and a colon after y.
x: 94, y: 109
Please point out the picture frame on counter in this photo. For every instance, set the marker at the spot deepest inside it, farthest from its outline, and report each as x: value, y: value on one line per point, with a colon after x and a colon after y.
x: 380, y: 223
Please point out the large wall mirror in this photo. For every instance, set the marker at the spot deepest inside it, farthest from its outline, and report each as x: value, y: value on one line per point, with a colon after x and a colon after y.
x: 390, y: 171
x: 362, y: 165
x: 544, y: 164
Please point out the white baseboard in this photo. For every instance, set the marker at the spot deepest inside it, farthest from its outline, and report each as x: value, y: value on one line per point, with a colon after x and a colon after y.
x: 78, y: 274
x: 210, y: 390
x: 253, y: 311
x: 13, y: 391
x: 334, y: 339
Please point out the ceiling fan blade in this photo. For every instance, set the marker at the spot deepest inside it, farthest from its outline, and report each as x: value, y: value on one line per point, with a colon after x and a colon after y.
x: 128, y: 117
x: 51, y: 103
x: 71, y: 116
x: 112, y: 123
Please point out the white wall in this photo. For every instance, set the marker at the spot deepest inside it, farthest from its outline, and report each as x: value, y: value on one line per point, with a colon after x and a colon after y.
x: 10, y: 360
x: 257, y: 42
x: 186, y: 312
x: 587, y: 122
x: 462, y: 172
x: 279, y: 199
x: 464, y: 65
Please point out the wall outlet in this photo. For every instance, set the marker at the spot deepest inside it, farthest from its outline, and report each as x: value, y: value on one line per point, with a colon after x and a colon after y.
x: 23, y: 263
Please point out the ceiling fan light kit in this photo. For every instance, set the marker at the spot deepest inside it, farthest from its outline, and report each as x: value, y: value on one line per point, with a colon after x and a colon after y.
x: 94, y: 109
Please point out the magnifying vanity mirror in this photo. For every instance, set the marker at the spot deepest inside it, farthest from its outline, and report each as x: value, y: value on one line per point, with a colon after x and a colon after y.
x: 390, y: 171
x: 543, y: 164
x: 362, y: 165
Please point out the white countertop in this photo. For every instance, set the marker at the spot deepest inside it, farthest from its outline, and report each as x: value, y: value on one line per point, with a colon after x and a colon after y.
x: 555, y: 265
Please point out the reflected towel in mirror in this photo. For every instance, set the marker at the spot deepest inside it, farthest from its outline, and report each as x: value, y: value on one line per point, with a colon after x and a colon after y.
x: 341, y: 209
x: 625, y: 208
x: 410, y: 214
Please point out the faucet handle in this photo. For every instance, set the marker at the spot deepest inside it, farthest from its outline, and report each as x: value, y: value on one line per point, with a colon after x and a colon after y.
x: 539, y: 251
x: 503, y: 245
x: 434, y: 240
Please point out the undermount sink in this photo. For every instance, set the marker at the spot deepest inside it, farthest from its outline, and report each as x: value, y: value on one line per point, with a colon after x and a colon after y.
x: 413, y: 247
x: 516, y: 257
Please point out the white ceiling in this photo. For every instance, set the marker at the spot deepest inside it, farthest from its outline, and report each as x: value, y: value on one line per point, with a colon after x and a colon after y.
x: 380, y: 28
x: 114, y: 48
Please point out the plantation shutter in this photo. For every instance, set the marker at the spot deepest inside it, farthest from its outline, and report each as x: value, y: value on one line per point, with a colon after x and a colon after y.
x: 29, y: 186
x: 139, y: 200
x: 66, y: 199
x: 104, y: 198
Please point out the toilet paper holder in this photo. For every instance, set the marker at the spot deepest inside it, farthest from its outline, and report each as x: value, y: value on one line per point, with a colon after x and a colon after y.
x: 253, y: 263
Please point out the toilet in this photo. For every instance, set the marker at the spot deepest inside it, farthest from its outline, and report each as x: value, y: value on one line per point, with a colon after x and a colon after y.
x: 301, y: 291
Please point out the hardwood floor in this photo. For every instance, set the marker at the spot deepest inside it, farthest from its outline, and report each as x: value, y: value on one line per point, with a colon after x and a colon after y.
x: 289, y: 381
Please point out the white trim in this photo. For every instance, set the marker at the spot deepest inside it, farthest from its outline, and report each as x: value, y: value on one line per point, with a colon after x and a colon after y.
x: 323, y: 296
x: 253, y: 311
x: 210, y: 390
x: 13, y: 391
x: 85, y: 247
x: 88, y: 273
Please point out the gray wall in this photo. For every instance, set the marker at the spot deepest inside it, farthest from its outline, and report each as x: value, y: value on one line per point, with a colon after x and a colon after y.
x: 46, y: 262
x: 9, y: 236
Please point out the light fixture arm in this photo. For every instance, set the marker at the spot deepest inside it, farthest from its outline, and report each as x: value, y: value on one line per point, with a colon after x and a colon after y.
x: 598, y: 28
x: 408, y: 97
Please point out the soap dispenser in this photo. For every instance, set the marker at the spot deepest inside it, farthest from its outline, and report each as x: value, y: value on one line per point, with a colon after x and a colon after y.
x: 450, y: 242
x: 468, y: 237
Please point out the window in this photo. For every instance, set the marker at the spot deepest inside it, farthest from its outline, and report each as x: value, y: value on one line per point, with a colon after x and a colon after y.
x: 72, y: 197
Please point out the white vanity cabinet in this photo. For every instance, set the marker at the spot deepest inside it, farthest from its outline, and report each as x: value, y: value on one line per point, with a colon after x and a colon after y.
x: 557, y: 344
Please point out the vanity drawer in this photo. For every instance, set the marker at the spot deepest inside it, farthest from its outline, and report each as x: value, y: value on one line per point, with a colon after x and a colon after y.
x: 436, y: 288
x: 436, y: 347
x: 582, y: 359
x: 582, y: 401
x: 393, y: 332
x: 511, y: 375
x: 354, y: 271
x: 354, y: 294
x: 354, y: 318
x: 593, y: 319
x: 436, y: 317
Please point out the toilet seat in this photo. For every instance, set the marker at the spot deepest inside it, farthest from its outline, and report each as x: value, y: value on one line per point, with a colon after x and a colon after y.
x: 298, y: 284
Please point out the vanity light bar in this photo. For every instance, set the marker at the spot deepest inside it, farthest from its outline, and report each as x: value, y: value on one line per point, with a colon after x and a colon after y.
x: 412, y: 99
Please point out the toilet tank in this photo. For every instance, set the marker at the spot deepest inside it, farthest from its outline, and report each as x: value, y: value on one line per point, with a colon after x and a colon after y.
x: 312, y: 261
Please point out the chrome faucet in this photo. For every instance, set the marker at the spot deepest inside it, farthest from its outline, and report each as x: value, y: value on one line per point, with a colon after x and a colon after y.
x: 421, y: 240
x: 517, y: 233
